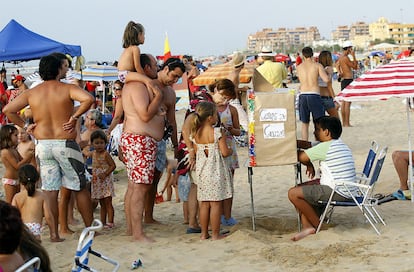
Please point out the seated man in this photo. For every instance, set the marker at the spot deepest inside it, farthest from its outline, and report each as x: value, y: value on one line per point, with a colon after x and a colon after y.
x: 400, y: 159
x: 338, y: 158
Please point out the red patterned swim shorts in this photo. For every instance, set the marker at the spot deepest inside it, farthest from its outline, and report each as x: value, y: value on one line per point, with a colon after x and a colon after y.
x: 139, y: 154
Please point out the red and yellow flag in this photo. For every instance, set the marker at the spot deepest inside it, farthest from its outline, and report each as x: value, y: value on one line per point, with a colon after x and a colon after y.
x: 167, y: 52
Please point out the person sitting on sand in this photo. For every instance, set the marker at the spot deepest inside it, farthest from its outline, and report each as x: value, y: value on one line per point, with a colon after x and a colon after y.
x: 400, y: 160
x: 338, y: 158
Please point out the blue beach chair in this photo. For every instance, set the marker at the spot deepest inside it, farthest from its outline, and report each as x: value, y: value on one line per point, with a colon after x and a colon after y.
x: 363, y: 177
x: 85, y: 247
x: 364, y: 199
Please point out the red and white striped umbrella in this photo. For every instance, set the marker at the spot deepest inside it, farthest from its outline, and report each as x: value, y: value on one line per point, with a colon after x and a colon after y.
x: 395, y: 79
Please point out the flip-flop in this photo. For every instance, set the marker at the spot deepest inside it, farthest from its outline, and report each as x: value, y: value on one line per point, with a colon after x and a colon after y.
x: 193, y: 230
x: 224, y: 231
x: 399, y: 194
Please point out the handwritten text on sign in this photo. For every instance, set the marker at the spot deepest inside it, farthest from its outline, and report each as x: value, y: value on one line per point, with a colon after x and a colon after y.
x: 273, y: 115
x: 274, y: 131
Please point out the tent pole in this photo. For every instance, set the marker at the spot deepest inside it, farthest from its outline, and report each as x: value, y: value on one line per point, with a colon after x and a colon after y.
x: 250, y: 179
x: 410, y: 155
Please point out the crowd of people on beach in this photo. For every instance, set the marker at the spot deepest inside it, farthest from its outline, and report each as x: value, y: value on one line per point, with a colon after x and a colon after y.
x: 59, y: 157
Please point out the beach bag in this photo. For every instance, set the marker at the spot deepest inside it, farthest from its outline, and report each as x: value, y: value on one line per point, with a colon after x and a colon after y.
x: 115, y: 139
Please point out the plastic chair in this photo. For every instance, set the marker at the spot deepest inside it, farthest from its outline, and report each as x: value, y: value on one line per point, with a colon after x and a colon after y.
x: 363, y: 199
x: 85, y: 247
x: 33, y: 263
x: 363, y: 177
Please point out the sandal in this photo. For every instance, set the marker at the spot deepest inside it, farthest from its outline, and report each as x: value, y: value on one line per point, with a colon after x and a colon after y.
x: 109, y: 226
x: 399, y: 194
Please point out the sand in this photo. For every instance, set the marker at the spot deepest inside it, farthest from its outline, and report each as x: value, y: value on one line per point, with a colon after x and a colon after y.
x: 349, y: 243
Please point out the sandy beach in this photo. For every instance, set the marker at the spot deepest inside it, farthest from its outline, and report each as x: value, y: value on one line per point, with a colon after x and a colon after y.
x: 349, y: 243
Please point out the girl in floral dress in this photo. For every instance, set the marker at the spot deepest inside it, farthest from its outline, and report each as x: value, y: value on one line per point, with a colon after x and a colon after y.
x: 212, y: 174
x: 224, y: 91
x: 102, y: 180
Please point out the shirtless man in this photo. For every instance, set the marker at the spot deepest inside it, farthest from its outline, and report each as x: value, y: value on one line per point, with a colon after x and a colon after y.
x: 143, y: 128
x: 60, y: 158
x: 310, y: 99
x: 344, y: 67
x: 169, y: 74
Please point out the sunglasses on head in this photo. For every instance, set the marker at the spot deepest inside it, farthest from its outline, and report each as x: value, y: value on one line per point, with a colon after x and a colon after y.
x: 175, y: 62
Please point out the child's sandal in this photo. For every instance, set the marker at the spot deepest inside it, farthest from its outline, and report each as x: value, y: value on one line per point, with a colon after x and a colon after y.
x: 109, y: 225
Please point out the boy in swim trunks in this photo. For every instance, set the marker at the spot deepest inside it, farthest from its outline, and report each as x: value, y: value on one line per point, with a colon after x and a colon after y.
x: 310, y: 98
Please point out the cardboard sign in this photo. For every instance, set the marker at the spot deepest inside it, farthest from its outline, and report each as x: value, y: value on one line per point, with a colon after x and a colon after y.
x: 272, y: 128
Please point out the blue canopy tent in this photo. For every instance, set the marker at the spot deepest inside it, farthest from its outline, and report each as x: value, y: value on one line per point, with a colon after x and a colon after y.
x: 17, y: 43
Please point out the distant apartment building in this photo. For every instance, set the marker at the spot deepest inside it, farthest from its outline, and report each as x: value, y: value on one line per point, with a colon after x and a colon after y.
x: 341, y: 33
x: 282, y: 39
x: 360, y: 33
x: 402, y: 34
x: 379, y: 30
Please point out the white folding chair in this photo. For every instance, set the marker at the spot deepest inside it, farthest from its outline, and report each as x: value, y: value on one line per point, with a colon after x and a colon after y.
x: 363, y: 177
x: 363, y: 199
x: 85, y: 247
x: 33, y: 263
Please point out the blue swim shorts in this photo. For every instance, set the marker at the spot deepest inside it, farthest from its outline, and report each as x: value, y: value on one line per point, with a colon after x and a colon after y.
x: 161, y: 161
x: 184, y: 185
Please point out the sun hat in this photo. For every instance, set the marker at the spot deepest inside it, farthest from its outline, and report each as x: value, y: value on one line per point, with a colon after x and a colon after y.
x: 238, y: 59
x: 266, y: 52
x: 347, y: 44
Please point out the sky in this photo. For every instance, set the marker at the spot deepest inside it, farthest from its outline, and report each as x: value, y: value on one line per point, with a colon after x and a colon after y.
x: 198, y: 28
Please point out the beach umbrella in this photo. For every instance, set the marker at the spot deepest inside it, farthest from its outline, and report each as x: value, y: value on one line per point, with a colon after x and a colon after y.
x: 395, y: 79
x: 403, y: 54
x: 280, y: 57
x: 221, y: 71
x: 377, y: 53
x: 98, y: 73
